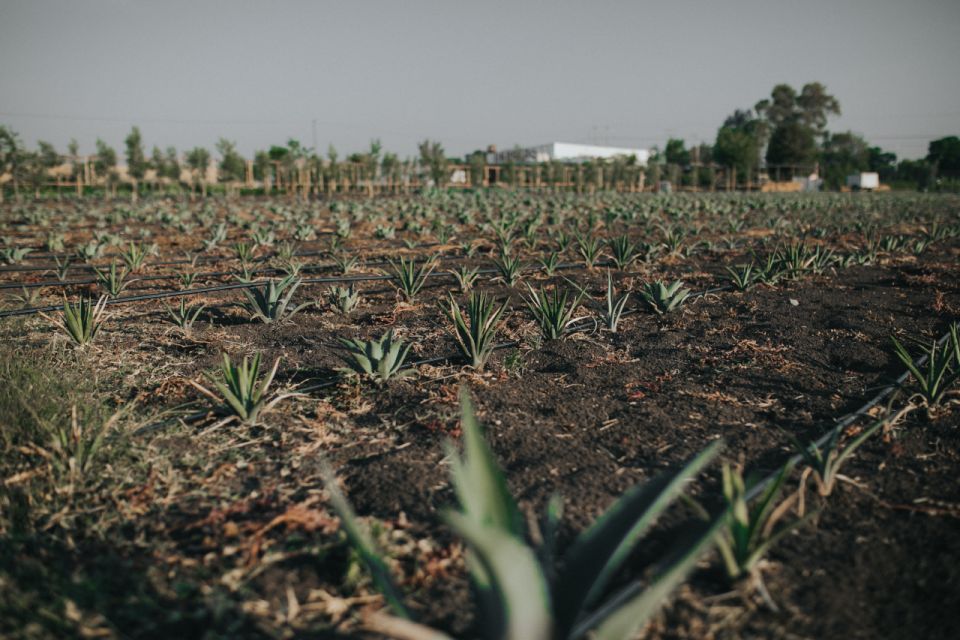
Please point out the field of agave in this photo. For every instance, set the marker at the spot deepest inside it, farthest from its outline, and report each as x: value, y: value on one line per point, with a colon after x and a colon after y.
x: 492, y: 414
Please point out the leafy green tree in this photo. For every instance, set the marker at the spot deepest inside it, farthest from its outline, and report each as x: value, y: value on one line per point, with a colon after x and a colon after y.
x: 676, y: 152
x: 433, y: 158
x: 233, y: 167
x: 883, y: 162
x: 736, y: 149
x: 136, y: 158
x: 792, y: 143
x: 944, y: 155
x: 198, y: 159
x: 795, y: 121
x: 843, y: 154
x: 106, y: 158
x: 171, y: 165
x: 47, y: 154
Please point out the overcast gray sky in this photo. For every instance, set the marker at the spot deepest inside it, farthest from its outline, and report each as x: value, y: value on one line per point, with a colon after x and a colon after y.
x: 467, y: 73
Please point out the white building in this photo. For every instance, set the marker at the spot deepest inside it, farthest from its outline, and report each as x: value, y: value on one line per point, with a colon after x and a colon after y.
x: 565, y: 152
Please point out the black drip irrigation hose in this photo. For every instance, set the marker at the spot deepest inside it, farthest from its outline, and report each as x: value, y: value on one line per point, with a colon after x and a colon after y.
x: 251, y: 285
x: 206, y: 275
x: 326, y: 384
x: 757, y: 489
x: 201, y: 259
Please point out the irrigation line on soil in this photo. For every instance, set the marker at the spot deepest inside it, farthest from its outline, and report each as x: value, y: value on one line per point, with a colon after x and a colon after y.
x: 637, y: 585
x: 208, y: 274
x: 326, y: 384
x: 251, y: 285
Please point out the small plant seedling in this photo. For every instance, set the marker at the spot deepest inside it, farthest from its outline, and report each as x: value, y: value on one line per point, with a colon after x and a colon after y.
x: 663, y: 298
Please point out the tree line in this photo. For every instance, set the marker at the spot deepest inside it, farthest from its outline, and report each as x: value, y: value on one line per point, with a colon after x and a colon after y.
x: 787, y: 131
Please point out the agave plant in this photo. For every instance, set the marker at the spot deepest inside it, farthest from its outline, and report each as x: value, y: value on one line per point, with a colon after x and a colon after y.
x: 476, y: 337
x: 750, y: 532
x: 63, y: 268
x: 551, y: 311
x: 615, y: 306
x: 623, y: 251
x: 824, y: 462
x: 343, y: 299
x: 528, y: 593
x: 184, y: 317
x: 465, y: 277
x: 14, y: 255
x: 589, y: 248
x: 409, y: 278
x: 135, y: 255
x: 81, y: 321
x: 270, y: 304
x: 940, y: 371
x: 664, y: 298
x: 380, y: 360
x: 345, y: 263
x: 509, y: 268
x: 242, y: 395
x: 113, y: 281
x: 743, y: 276
x: 550, y: 262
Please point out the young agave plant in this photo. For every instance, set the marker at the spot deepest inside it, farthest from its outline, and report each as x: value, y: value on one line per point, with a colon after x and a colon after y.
x: 343, y: 299
x: 664, y: 298
x: 465, y: 277
x: 113, y: 281
x: 551, y: 312
x: 26, y: 298
x: 550, y: 262
x: 81, y: 321
x: 135, y: 255
x: 380, y: 360
x: 509, y: 268
x: 589, y: 247
x: 63, y: 268
x: 187, y: 278
x: 270, y: 304
x: 750, y: 532
x: 409, y: 278
x: 824, y: 462
x: 615, y: 306
x: 14, y: 255
x: 476, y: 337
x: 184, y: 317
x: 529, y: 593
x: 623, y: 251
x: 938, y: 374
x: 345, y: 263
x: 743, y: 276
x: 242, y: 397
